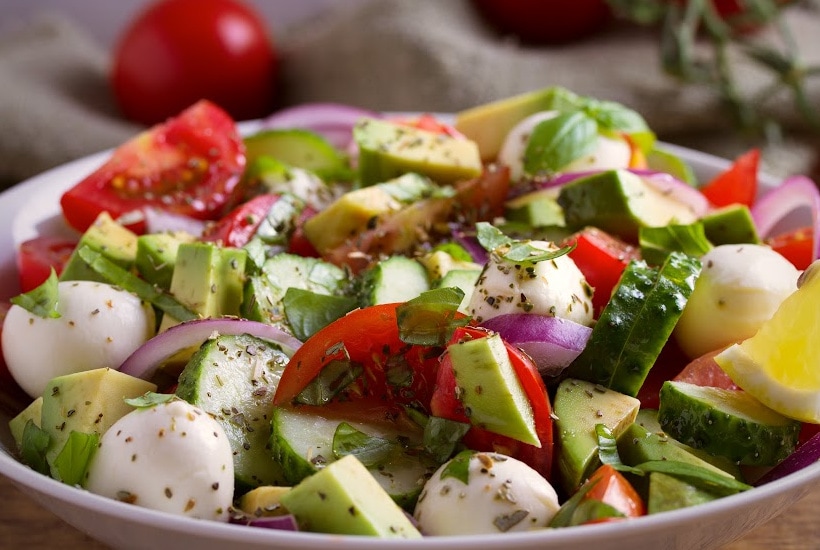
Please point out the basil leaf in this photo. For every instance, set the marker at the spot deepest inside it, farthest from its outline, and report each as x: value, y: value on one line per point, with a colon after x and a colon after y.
x: 608, y: 450
x: 591, y: 510
x: 614, y: 117
x: 490, y: 237
x: 657, y: 243
x: 442, y: 437
x: 556, y: 142
x: 459, y: 467
x: 279, y: 222
x: 72, y: 462
x: 370, y: 450
x: 33, y: 447
x: 561, y: 99
x: 337, y: 374
x: 525, y: 251
x: 41, y: 301
x: 430, y: 318
x: 563, y: 518
x: 696, y: 476
x: 307, y: 312
x: 116, y: 275
x: 150, y: 399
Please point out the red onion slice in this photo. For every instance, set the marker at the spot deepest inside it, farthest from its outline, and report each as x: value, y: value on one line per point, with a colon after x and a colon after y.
x: 792, y: 194
x: 286, y: 522
x: 146, y: 359
x: 334, y: 121
x: 552, y: 342
x: 805, y: 455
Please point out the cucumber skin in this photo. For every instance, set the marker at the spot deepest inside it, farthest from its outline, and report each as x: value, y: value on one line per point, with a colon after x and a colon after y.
x: 722, y: 434
x: 641, y: 314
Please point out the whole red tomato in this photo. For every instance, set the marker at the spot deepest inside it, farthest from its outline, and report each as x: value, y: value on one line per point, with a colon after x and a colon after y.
x: 177, y: 52
x: 546, y: 21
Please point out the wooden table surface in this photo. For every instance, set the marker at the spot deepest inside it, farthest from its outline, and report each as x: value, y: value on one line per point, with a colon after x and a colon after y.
x: 24, y: 524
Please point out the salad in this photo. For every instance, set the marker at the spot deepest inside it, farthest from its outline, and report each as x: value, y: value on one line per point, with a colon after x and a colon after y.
x: 529, y: 317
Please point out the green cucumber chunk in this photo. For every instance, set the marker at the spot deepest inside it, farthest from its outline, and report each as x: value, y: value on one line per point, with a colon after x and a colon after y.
x: 728, y: 423
x: 299, y: 148
x: 636, y: 323
x: 395, y: 279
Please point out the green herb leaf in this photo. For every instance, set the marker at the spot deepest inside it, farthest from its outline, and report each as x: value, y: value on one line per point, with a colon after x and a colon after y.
x: 490, y: 237
x: 494, y: 240
x: 455, y: 250
x: 33, y: 447
x: 696, y: 476
x: 41, y: 301
x: 431, y: 317
x: 608, y: 450
x: 126, y: 280
x: 459, y: 467
x: 565, y: 514
x: 556, y: 142
x: 150, y: 399
x: 442, y: 437
x: 370, y: 450
x: 307, y: 312
x: 337, y: 374
x: 657, y: 243
x: 72, y: 462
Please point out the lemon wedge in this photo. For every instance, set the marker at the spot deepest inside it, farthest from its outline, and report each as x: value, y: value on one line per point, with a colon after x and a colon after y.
x: 780, y: 364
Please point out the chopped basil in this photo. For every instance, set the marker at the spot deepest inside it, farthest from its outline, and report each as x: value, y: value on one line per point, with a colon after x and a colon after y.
x: 459, y: 467
x: 563, y: 518
x: 41, y: 301
x: 126, y: 280
x: 696, y: 476
x: 494, y: 240
x: 33, y: 447
x: 370, y: 450
x: 658, y: 242
x: 307, y: 312
x: 72, y: 462
x: 442, y: 437
x: 337, y: 373
x: 608, y: 450
x: 556, y: 142
x: 150, y: 399
x: 430, y: 318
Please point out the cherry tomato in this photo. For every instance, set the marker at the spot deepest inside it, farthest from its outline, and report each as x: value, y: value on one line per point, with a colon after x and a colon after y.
x: 177, y: 52
x: 546, y: 21
x: 299, y: 243
x: 394, y: 372
x: 241, y: 223
x: 796, y: 246
x: 737, y: 184
x: 445, y: 404
x: 189, y: 165
x: 37, y: 256
x: 602, y: 258
x: 429, y: 123
x: 704, y: 371
x: 610, y: 487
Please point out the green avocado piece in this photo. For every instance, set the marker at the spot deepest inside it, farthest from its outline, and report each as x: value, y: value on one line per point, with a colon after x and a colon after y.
x: 208, y: 279
x: 344, y: 498
x: 114, y: 241
x: 536, y: 208
x: 299, y: 148
x: 579, y: 406
x: 665, y: 161
x: 620, y: 203
x: 667, y: 493
x: 87, y: 402
x: 490, y: 390
x: 731, y: 224
x: 157, y: 255
x: 17, y: 425
x: 389, y: 149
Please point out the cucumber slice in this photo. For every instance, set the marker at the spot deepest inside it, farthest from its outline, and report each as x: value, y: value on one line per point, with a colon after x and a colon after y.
x: 728, y: 423
x: 396, y: 279
x: 233, y: 378
x: 636, y: 323
x: 302, y: 444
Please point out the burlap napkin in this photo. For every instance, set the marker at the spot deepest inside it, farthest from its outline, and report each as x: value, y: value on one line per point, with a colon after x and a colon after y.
x: 402, y: 55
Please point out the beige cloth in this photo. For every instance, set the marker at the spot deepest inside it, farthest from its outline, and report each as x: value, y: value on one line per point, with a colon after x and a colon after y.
x: 401, y: 55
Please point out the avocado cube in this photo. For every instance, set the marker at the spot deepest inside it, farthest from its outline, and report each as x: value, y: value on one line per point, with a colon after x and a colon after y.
x: 17, y: 425
x: 111, y: 239
x: 157, y: 254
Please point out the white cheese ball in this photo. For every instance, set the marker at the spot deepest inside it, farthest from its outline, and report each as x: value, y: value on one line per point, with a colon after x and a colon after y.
x: 99, y: 326
x: 610, y: 152
x: 171, y: 457
x: 740, y: 287
x: 501, y: 495
x: 555, y: 288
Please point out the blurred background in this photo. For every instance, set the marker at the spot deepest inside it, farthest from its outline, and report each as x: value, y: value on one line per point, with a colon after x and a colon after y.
x: 741, y: 74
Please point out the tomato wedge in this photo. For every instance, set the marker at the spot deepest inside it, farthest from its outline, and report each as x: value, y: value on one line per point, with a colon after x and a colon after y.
x: 610, y: 487
x: 446, y: 404
x: 737, y: 184
x: 37, y: 256
x: 796, y: 246
x: 189, y: 165
x: 240, y: 224
x: 394, y: 373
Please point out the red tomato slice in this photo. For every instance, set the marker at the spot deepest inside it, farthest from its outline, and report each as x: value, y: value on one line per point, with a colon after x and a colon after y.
x: 37, y: 256
x: 299, y: 243
x: 737, y: 184
x: 370, y: 336
x: 602, y: 259
x: 429, y: 123
x: 446, y: 404
x: 796, y: 246
x: 241, y: 223
x: 612, y: 488
x: 704, y: 371
x: 189, y: 165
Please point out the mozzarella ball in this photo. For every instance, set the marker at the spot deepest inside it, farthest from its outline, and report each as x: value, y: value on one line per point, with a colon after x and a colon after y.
x: 610, y: 152
x: 554, y: 288
x: 171, y: 457
x: 99, y: 326
x: 740, y: 287
x: 502, y: 494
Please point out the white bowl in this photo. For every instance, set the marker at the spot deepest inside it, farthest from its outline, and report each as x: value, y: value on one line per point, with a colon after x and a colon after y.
x: 32, y: 208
